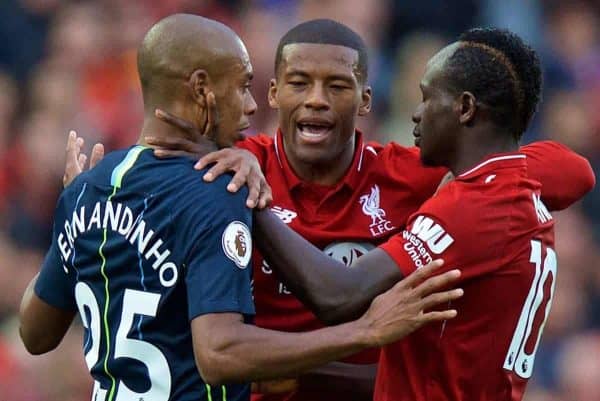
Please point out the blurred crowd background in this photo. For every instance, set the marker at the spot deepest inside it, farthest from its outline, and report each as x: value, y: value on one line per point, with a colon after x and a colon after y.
x: 71, y: 65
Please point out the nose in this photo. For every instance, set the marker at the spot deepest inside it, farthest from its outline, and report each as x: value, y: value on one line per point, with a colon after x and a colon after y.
x: 250, y: 105
x: 316, y: 97
x: 416, y: 117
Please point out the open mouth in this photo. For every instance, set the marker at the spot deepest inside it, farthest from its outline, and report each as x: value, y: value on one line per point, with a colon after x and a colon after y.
x: 314, y: 131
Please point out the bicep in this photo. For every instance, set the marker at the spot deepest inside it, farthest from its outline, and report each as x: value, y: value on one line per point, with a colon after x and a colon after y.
x: 210, y: 326
x: 42, y: 326
x: 207, y: 332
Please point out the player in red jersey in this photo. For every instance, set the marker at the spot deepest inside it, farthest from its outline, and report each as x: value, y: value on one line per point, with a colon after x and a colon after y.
x: 479, y: 95
x: 342, y: 194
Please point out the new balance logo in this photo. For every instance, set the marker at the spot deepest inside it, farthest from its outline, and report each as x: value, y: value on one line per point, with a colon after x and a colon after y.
x: 543, y: 215
x: 284, y: 214
x: 432, y: 234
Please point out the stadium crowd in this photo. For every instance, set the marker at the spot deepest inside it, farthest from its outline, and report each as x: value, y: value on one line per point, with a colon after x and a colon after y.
x: 71, y: 65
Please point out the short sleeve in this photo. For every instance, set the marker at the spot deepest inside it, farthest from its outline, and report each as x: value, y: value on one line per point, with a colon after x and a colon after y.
x: 218, y: 268
x: 444, y: 228
x: 562, y: 186
x: 55, y: 284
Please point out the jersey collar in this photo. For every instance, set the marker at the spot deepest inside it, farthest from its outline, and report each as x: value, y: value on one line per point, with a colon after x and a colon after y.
x: 493, y: 162
x: 350, y: 179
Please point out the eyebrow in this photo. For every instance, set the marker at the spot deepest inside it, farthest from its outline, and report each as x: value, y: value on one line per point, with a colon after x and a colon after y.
x: 297, y: 72
x: 336, y: 77
x: 333, y: 77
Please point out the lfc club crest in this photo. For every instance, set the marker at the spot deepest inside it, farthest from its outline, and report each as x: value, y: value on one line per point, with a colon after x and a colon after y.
x: 370, y: 207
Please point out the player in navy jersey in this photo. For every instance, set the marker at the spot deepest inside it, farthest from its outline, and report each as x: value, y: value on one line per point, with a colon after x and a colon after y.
x: 156, y: 261
x: 118, y: 238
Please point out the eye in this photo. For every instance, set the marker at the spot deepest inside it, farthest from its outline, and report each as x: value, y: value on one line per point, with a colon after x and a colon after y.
x: 296, y: 84
x: 339, y: 86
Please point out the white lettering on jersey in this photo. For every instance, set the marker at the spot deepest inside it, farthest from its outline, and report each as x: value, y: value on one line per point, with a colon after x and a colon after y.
x: 284, y: 214
x: 118, y: 218
x: 433, y: 234
x: 371, y: 207
x: 543, y: 215
x: 416, y: 249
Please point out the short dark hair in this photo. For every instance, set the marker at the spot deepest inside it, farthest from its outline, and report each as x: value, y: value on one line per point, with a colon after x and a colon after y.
x: 501, y: 71
x: 326, y: 32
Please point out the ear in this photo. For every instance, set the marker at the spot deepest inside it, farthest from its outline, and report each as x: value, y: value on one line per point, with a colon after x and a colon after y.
x: 198, y: 83
x: 273, y: 94
x: 467, y: 105
x: 365, y: 103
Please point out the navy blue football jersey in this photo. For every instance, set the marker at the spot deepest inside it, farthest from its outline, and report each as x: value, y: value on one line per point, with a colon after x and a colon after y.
x: 142, y: 246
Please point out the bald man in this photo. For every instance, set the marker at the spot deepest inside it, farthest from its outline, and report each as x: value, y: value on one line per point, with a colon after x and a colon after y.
x: 156, y: 261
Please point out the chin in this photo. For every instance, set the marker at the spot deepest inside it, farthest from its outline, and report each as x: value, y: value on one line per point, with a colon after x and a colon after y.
x: 428, y: 161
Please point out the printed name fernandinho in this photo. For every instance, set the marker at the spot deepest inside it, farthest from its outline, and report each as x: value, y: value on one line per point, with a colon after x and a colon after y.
x: 120, y: 219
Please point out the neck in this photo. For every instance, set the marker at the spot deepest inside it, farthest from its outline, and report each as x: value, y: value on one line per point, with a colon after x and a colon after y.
x: 153, y: 127
x: 329, y: 172
x: 477, y: 145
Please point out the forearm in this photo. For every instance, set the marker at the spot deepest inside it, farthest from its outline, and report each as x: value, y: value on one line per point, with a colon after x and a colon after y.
x: 243, y: 352
x: 330, y: 289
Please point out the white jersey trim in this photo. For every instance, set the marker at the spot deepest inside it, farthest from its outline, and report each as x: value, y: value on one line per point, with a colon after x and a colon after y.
x: 493, y: 159
x: 277, y: 150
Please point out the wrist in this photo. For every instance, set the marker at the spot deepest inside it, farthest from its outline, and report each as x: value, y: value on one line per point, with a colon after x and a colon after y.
x: 362, y: 333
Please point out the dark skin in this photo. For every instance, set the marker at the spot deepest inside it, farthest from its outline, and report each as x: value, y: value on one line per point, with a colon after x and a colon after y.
x: 225, y: 348
x: 315, y: 83
x: 319, y: 88
x: 453, y: 130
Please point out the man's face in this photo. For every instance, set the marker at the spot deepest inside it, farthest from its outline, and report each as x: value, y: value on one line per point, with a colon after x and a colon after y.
x: 435, y: 117
x: 235, y: 103
x: 318, y: 94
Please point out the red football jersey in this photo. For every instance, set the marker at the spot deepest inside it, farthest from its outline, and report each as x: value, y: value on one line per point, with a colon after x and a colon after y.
x: 490, y: 223
x: 382, y: 187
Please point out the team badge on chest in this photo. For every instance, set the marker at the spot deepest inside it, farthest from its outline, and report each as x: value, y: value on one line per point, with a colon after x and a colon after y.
x: 371, y: 207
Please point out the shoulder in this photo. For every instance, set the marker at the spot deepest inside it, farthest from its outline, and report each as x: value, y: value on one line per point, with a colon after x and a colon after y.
x: 449, y: 201
x: 393, y: 151
x: 403, y: 164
